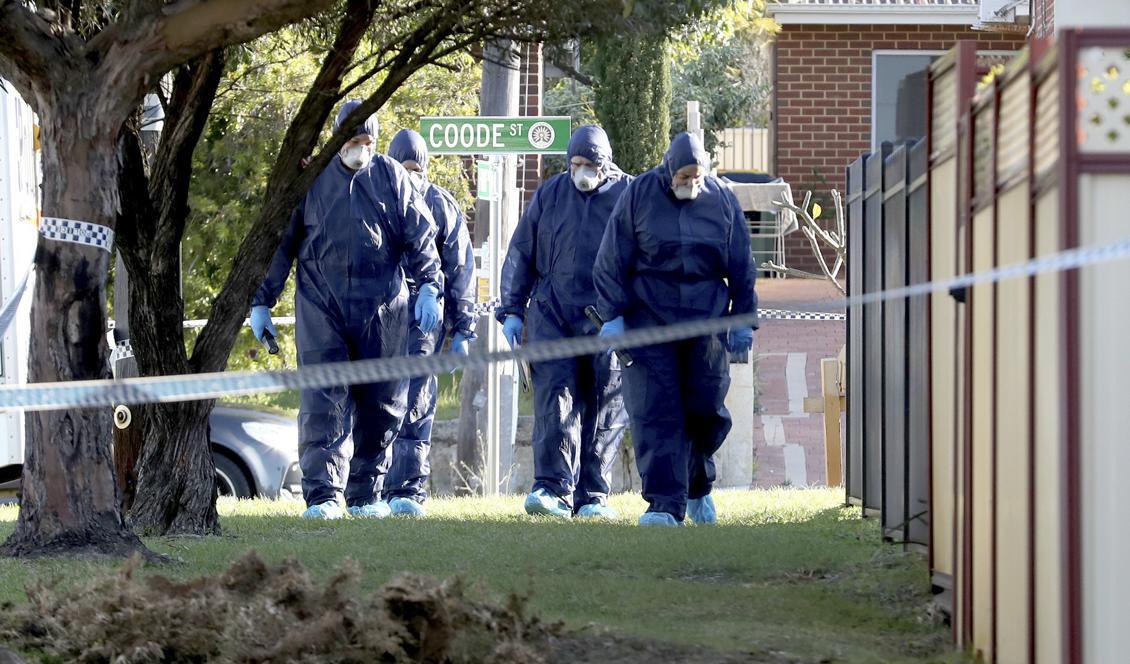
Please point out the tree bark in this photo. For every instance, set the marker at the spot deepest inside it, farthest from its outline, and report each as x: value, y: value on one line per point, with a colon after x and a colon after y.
x: 83, y: 91
x: 152, y: 221
x: 69, y: 500
x: 176, y: 481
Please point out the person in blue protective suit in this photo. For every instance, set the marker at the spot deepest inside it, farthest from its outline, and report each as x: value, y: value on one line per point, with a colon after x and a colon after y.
x: 355, y: 228
x: 404, y: 485
x: 579, y: 417
x: 677, y: 250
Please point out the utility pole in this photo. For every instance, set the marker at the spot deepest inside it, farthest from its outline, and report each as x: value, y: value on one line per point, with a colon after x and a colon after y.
x: 499, y: 96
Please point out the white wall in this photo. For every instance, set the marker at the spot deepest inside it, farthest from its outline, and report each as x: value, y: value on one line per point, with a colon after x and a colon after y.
x: 18, y: 235
x: 1091, y: 13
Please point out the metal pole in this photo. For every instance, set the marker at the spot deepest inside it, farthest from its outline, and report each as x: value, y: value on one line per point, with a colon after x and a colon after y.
x: 493, y: 433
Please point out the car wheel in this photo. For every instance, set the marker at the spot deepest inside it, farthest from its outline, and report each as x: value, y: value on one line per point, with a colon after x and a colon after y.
x: 230, y: 479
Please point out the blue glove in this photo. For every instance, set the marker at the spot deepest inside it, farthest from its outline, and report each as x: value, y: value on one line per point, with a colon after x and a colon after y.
x: 612, y: 328
x: 512, y: 330
x: 740, y: 340
x: 427, y: 308
x: 460, y: 344
x: 261, y: 322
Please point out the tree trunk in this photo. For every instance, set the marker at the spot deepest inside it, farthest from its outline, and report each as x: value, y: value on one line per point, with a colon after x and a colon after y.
x: 128, y: 439
x: 176, y: 493
x: 69, y: 500
x: 176, y: 480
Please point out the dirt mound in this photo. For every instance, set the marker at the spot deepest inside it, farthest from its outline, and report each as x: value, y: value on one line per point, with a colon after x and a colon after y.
x: 255, y: 614
x: 259, y: 613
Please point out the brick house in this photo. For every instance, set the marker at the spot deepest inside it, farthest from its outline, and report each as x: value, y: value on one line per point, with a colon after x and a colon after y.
x: 530, y: 93
x: 850, y: 74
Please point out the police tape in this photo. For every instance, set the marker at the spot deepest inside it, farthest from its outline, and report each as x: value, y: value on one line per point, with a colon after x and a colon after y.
x: 8, y: 311
x: 784, y: 314
x: 192, y: 387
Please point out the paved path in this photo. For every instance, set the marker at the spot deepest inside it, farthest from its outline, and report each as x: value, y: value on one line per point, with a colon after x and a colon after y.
x: 789, y: 443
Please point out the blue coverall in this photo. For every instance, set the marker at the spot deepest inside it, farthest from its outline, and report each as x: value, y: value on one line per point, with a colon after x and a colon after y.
x: 409, y: 469
x: 547, y: 279
x: 350, y: 235
x: 665, y: 261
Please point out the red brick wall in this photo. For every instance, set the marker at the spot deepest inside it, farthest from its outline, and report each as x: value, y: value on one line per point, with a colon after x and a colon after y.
x: 822, y: 106
x: 1043, y: 18
x: 529, y: 166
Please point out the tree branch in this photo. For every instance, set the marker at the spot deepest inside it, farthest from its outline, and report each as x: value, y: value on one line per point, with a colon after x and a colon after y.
x: 194, y: 91
x: 573, y: 73
x: 189, y: 27
x: 29, y: 49
x: 285, y: 186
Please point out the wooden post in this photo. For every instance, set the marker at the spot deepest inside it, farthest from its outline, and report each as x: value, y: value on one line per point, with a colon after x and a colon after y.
x: 830, y: 380
x: 831, y: 404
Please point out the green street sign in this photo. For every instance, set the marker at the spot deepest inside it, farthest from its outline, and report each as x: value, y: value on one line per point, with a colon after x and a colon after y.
x: 493, y: 135
x: 486, y: 180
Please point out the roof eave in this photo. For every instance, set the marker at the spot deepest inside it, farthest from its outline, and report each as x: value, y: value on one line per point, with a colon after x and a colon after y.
x: 874, y: 15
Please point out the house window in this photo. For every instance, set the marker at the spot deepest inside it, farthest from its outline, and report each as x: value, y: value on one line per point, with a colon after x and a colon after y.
x: 898, y: 95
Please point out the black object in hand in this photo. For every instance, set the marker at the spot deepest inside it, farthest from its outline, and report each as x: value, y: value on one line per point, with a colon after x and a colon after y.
x: 270, y: 343
x: 625, y: 356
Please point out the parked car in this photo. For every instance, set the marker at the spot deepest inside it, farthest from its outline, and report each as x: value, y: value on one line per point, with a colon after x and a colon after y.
x: 256, y: 453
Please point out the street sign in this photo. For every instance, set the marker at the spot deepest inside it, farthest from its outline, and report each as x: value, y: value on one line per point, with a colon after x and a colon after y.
x: 495, y: 135
x: 486, y: 181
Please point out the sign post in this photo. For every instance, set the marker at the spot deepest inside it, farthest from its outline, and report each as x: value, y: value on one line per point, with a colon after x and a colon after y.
x: 501, y: 139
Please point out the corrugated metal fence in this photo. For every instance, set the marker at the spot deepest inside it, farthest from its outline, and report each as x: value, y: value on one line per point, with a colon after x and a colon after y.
x: 743, y: 149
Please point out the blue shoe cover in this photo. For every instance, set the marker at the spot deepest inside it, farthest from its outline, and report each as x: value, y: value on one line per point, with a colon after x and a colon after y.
x: 406, y: 507
x: 701, y: 511
x: 330, y: 510
x: 377, y: 510
x: 544, y: 502
x: 659, y: 519
x: 596, y: 511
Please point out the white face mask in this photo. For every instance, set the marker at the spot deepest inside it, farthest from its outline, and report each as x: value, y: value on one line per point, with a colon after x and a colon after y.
x: 355, y: 156
x: 687, y: 192
x: 419, y: 180
x: 586, y: 178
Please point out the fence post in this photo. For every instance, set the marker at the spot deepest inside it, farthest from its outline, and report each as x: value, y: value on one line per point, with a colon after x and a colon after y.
x: 830, y: 380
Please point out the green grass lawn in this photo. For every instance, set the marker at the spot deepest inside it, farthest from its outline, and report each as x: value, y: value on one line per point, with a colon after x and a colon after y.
x: 786, y: 570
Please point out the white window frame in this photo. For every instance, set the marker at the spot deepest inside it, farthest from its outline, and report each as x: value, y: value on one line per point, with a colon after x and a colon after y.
x: 875, y: 54
x: 889, y: 51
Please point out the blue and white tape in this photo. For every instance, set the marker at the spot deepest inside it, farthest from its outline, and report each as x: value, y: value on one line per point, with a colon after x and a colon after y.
x: 77, y: 232
x: 61, y: 230
x: 88, y: 394
x: 782, y: 314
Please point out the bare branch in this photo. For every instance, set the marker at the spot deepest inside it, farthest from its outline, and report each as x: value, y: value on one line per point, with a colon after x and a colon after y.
x: 573, y: 73
x: 234, y: 83
x: 194, y: 91
x: 815, y: 234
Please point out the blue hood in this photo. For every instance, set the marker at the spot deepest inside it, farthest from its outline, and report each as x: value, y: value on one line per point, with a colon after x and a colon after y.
x: 591, y: 143
x: 370, y: 126
x: 409, y: 145
x: 686, y: 150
